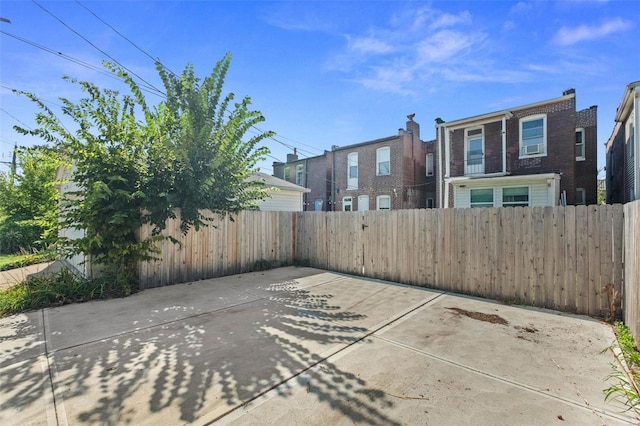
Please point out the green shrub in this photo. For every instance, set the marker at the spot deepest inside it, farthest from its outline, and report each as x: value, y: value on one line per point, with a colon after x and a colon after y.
x: 16, y: 237
x: 59, y: 289
x: 625, y: 389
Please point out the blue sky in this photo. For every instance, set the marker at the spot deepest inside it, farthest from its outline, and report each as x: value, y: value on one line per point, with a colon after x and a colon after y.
x: 329, y: 73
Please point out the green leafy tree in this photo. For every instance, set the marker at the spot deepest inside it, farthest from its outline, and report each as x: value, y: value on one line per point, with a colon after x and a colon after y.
x: 134, y: 164
x: 29, y: 202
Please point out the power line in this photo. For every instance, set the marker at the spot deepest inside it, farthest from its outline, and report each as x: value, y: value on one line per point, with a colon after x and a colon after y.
x: 12, y: 116
x: 97, y: 48
x: 59, y: 54
x: 124, y: 37
x: 296, y: 142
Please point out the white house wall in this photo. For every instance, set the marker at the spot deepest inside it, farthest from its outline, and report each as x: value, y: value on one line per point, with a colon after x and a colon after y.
x: 540, y: 193
x: 282, y: 200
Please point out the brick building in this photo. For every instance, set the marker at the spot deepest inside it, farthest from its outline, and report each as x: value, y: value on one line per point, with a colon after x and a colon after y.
x: 394, y: 172
x: 623, y: 165
x: 313, y: 173
x: 541, y: 154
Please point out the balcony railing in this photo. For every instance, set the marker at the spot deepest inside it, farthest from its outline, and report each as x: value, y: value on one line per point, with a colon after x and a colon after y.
x: 477, y: 166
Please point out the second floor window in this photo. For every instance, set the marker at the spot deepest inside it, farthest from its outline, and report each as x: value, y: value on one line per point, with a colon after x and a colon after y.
x: 352, y: 170
x: 580, y: 144
x: 287, y: 174
x: 533, y: 136
x: 429, y: 164
x: 383, y: 157
x: 474, y: 161
x: 299, y: 172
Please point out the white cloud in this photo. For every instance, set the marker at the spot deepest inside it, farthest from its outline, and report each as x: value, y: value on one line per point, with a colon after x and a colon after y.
x: 444, y: 45
x: 368, y: 45
x: 521, y: 8
x: 448, y: 20
x: 567, y: 36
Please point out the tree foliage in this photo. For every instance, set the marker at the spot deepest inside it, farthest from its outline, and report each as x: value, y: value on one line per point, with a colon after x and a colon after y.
x: 29, y: 202
x: 136, y: 164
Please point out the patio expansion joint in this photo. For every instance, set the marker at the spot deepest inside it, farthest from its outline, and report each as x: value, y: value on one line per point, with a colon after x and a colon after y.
x: 586, y: 406
x: 54, y: 407
x: 148, y: 327
x: 331, y: 354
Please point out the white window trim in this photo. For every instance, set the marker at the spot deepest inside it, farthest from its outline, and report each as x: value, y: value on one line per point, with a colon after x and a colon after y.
x: 583, y: 200
x: 493, y: 201
x: 387, y: 149
x: 347, y: 201
x: 429, y: 169
x: 584, y: 146
x: 352, y: 183
x: 544, y: 135
x: 380, y: 197
x: 433, y: 203
x: 515, y: 186
x: 299, y: 175
x: 466, y: 149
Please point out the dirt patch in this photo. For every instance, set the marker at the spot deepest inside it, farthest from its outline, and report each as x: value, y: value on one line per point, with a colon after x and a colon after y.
x: 492, y: 318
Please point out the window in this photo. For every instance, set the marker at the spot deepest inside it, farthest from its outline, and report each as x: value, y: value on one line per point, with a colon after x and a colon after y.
x: 352, y: 170
x: 581, y: 196
x: 429, y: 164
x: 512, y: 197
x: 533, y: 136
x: 287, y: 173
x: 347, y: 204
x: 474, y: 147
x: 383, y: 202
x: 383, y: 156
x: 580, y: 145
x: 481, y: 197
x: 363, y: 203
x: 317, y: 204
x: 430, y: 203
x: 299, y: 171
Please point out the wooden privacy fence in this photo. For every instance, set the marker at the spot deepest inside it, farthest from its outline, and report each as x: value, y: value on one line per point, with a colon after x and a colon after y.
x: 631, y: 293
x: 554, y: 257
x: 229, y: 245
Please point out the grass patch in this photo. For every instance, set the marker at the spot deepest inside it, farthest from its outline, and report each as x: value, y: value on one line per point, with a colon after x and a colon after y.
x: 13, y: 261
x: 625, y: 389
x: 59, y: 289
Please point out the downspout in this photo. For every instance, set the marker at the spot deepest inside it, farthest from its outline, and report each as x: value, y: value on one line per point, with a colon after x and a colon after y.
x: 447, y: 166
x: 439, y: 142
x: 306, y: 180
x: 504, y: 144
x: 636, y: 136
x: 333, y: 180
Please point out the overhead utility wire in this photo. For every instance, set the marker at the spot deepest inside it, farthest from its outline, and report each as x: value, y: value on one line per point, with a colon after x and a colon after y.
x: 98, y: 49
x: 164, y: 66
x: 12, y: 116
x: 296, y: 142
x: 125, y: 37
x: 62, y: 55
x: 59, y: 54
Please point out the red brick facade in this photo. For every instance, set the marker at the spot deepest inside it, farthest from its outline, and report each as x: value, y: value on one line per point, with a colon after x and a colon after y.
x: 561, y: 120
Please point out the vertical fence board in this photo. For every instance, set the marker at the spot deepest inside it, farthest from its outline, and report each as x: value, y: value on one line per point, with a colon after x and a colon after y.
x: 556, y: 257
x: 593, y: 252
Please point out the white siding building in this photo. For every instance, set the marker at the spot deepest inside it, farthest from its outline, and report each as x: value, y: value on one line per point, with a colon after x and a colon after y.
x: 282, y: 195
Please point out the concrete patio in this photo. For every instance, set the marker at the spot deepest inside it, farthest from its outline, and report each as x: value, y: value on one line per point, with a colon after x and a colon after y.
x: 301, y: 345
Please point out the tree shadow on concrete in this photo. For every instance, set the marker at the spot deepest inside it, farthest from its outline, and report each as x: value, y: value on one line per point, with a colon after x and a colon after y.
x: 209, y: 364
